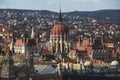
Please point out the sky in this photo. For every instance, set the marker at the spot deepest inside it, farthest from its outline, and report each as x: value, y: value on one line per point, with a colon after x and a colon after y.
x: 66, y: 5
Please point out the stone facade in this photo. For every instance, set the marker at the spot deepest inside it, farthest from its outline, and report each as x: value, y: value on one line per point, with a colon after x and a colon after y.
x: 59, y: 39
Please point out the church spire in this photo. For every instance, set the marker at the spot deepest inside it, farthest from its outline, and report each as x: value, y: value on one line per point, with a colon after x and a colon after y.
x: 32, y: 33
x: 8, y: 55
x: 60, y: 15
x: 7, y: 70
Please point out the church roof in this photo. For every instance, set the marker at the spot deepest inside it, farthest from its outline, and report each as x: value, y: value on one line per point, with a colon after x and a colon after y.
x: 59, y: 29
x: 19, y: 42
x: 85, y: 43
x: 29, y: 42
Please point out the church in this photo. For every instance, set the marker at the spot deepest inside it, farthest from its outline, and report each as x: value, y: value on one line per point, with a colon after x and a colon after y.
x: 27, y: 44
x: 59, y: 38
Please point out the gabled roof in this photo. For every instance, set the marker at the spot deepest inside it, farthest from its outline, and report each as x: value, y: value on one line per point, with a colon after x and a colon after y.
x: 29, y: 42
x: 72, y: 51
x: 85, y: 43
x: 81, y: 49
x: 19, y: 42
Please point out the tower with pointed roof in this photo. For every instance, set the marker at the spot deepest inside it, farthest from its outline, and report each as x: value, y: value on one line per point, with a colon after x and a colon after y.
x: 7, y: 71
x: 32, y: 33
x: 30, y: 62
x: 60, y: 16
x: 59, y: 38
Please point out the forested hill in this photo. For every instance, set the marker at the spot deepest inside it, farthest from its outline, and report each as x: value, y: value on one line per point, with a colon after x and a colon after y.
x: 113, y: 15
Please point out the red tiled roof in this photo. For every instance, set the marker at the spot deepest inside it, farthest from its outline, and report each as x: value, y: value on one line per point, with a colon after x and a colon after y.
x: 81, y: 48
x: 73, y: 52
x: 59, y: 29
x: 89, y: 49
x: 85, y: 43
x: 18, y: 42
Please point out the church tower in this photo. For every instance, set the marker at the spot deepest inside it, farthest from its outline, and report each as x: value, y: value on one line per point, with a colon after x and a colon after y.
x: 59, y: 38
x: 30, y: 62
x: 7, y: 71
x: 32, y: 33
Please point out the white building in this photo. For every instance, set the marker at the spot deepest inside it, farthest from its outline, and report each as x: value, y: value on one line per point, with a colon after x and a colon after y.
x: 59, y: 38
x: 24, y: 45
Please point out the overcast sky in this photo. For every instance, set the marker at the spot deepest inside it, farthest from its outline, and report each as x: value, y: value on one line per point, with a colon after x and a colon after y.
x: 67, y: 5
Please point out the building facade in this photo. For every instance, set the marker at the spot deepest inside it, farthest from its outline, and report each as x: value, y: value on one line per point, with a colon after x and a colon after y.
x: 24, y: 45
x: 59, y: 38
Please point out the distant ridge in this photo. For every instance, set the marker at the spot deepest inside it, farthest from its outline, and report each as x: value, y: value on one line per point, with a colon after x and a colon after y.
x: 63, y: 12
x: 113, y: 14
